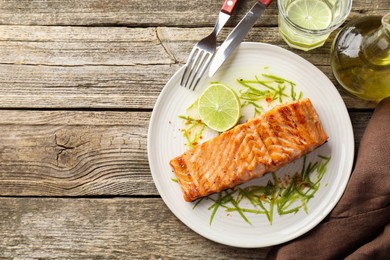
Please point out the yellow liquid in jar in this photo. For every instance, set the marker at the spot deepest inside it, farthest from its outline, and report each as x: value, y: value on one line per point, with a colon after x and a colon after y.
x: 361, y: 74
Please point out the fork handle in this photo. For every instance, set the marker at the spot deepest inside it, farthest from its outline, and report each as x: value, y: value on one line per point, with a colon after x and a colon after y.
x: 228, y: 6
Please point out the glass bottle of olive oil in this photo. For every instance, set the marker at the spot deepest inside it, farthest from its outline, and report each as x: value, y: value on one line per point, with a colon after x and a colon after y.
x: 360, y: 57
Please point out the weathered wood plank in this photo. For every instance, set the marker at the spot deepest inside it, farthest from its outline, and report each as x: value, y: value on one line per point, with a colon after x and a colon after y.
x: 124, y: 87
x: 74, y: 153
x: 143, y: 12
x: 68, y: 153
x: 82, y: 67
x: 78, y: 46
x: 118, y: 228
x: 120, y: 87
x: 117, y: 46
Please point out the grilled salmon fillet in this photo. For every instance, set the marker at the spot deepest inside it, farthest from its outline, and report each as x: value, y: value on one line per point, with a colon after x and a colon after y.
x: 262, y: 144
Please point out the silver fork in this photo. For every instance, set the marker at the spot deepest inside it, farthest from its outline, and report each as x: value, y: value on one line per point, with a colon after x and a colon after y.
x: 203, y: 52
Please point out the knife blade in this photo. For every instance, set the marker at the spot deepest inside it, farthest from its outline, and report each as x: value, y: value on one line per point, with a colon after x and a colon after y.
x: 237, y: 35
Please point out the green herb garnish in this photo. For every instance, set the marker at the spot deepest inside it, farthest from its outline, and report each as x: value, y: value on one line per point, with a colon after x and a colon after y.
x: 269, y: 88
x: 287, y: 197
x: 193, y: 130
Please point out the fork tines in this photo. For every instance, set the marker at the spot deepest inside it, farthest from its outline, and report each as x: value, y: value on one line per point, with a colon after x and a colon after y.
x: 195, y: 67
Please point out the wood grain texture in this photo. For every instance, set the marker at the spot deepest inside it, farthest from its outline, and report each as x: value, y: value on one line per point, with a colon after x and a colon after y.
x: 70, y: 153
x: 119, y: 87
x: 74, y: 153
x: 118, y: 228
x: 140, y: 13
x: 80, y: 46
x: 109, y: 67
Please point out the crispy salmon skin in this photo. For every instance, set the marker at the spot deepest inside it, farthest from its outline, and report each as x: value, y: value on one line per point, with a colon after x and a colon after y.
x: 262, y: 144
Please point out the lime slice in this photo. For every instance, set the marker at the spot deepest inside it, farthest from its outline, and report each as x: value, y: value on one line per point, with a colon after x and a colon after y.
x: 219, y: 107
x: 310, y: 14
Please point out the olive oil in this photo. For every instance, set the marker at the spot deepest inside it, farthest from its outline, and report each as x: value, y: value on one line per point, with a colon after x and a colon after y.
x: 360, y: 57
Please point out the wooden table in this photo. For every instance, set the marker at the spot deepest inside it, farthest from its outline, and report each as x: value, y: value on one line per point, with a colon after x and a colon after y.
x: 78, y: 82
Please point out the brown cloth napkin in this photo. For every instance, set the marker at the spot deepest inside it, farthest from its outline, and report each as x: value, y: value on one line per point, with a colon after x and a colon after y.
x: 359, y: 225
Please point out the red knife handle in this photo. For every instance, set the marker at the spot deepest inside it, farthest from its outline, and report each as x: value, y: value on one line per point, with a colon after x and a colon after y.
x: 228, y: 6
x: 265, y: 2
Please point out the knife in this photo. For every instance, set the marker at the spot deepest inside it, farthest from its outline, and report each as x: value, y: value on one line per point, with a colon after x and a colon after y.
x: 225, y: 13
x: 237, y: 35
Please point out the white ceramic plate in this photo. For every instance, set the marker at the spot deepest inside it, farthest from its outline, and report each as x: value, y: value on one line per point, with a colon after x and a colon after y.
x: 165, y: 141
